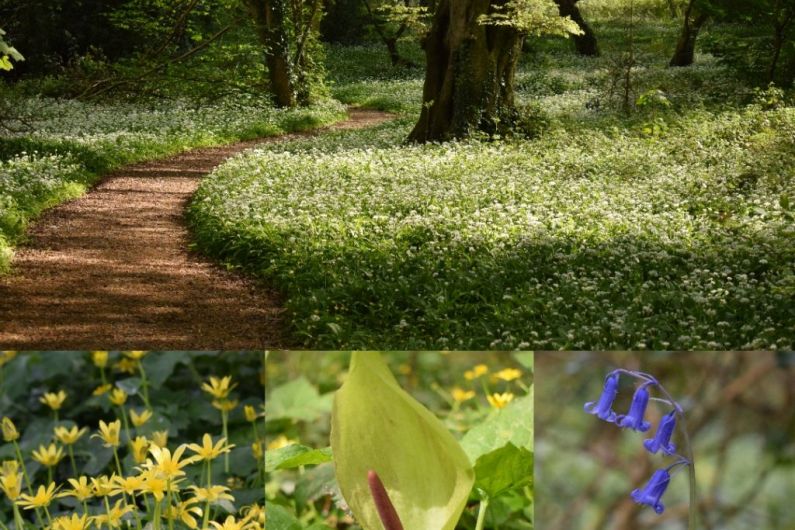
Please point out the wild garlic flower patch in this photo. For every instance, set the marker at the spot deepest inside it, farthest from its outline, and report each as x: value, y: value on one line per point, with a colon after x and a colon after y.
x: 603, y: 239
x: 132, y: 440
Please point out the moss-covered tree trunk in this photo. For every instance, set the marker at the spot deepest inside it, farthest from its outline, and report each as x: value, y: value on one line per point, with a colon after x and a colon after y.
x: 686, y: 45
x: 585, y: 44
x: 270, y: 18
x: 470, y: 71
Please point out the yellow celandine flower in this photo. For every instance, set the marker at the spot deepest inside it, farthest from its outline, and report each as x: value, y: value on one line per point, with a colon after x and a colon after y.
x: 460, y: 395
x: 101, y: 389
x: 219, y: 388
x: 7, y: 356
x: 118, y: 397
x: 230, y: 524
x: 127, y: 366
x: 477, y: 371
x: 48, y: 456
x: 255, y: 514
x: 184, y: 512
x: 53, y: 400
x: 112, y: 518
x: 126, y: 485
x: 11, y: 485
x: 279, y: 442
x: 208, y: 451
x: 9, y: 467
x: 250, y: 413
x: 226, y: 405
x: 69, y: 436
x: 211, y: 494
x: 81, y: 489
x: 99, y: 358
x: 498, y: 401
x: 166, y: 463
x: 257, y: 449
x: 103, y: 485
x: 42, y: 499
x: 136, y: 355
x: 140, y: 448
x: 75, y: 522
x: 140, y: 419
x: 10, y: 432
x: 156, y: 484
x: 508, y: 374
x: 109, y: 433
x: 160, y: 438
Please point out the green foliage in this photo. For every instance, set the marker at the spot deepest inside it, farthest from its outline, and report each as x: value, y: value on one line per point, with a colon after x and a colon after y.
x: 7, y: 53
x: 532, y: 17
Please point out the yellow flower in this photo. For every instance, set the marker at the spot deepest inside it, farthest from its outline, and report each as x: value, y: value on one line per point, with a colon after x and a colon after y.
x: 126, y: 485
x: 160, y: 438
x: 250, y: 413
x: 211, y: 494
x: 508, y: 374
x: 10, y: 432
x: 460, y: 395
x: 43, y: 497
x: 258, y: 450
x: 103, y: 485
x: 156, y: 484
x: 48, y: 456
x: 76, y: 522
x: 279, y: 442
x: 498, y: 401
x: 69, y: 436
x: 52, y: 400
x: 184, y: 512
x: 140, y: 419
x: 255, y: 514
x: 168, y: 464
x: 81, y: 489
x: 9, y: 467
x: 135, y: 355
x: 118, y: 397
x: 219, y: 388
x: 207, y: 451
x: 225, y: 404
x: 127, y: 366
x: 6, y: 356
x: 99, y: 358
x: 477, y: 371
x: 101, y: 389
x: 230, y: 524
x: 11, y: 485
x: 140, y: 448
x: 112, y: 518
x: 109, y: 433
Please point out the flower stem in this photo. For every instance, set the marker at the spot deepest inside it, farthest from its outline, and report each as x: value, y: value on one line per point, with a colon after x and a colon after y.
x: 168, y: 504
x: 156, y: 517
x: 118, y: 463
x: 484, y: 505
x: 224, y: 417
x: 126, y: 424
x: 24, y: 469
x: 72, y: 459
x: 144, y: 384
x: 18, y: 522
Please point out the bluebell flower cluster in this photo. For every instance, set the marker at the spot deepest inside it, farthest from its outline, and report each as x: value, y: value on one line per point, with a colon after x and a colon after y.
x: 651, y: 494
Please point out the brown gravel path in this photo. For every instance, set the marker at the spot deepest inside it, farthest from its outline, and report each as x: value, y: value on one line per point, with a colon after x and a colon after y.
x: 111, y: 270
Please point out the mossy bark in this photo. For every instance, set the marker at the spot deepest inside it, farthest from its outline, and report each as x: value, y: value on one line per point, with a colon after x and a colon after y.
x: 270, y: 18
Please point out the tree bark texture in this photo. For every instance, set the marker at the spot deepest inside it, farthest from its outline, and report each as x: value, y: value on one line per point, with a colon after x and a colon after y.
x: 470, y: 72
x: 585, y: 44
x: 686, y: 45
x: 270, y: 17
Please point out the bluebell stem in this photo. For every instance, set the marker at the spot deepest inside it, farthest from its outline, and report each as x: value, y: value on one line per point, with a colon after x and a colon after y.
x: 653, y: 490
x: 662, y: 439
x: 602, y: 408
x: 634, y: 418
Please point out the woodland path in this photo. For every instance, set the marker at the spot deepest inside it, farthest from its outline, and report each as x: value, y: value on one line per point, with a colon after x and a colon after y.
x: 112, y: 269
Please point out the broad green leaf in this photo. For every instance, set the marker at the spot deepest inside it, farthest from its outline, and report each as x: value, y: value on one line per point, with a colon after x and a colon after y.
x: 278, y: 518
x: 298, y: 400
x: 378, y: 426
x: 512, y: 424
x: 525, y: 358
x: 159, y: 366
x: 503, y: 469
x: 295, y: 455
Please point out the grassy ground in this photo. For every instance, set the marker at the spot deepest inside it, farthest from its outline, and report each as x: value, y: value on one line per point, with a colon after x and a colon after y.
x: 669, y: 226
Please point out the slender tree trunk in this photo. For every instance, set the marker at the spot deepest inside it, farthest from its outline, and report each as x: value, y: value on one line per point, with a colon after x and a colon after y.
x: 780, y: 27
x: 686, y: 45
x: 470, y: 71
x: 585, y: 44
x: 270, y: 17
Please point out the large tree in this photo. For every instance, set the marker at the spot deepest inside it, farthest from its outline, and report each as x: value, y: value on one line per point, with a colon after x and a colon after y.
x: 694, y: 19
x: 585, y: 43
x: 472, y: 51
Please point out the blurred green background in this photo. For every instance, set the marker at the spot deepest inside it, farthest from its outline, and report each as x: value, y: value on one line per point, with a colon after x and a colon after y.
x: 740, y: 410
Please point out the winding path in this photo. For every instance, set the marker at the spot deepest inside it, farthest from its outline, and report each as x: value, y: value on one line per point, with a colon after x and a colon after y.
x: 112, y: 269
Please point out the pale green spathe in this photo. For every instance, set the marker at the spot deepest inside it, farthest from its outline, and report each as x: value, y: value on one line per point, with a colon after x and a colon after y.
x: 376, y: 425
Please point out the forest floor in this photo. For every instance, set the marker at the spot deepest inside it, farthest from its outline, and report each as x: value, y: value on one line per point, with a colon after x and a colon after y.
x: 114, y: 267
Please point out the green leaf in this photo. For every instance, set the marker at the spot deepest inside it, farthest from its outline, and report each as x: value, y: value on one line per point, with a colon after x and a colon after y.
x: 512, y: 424
x: 504, y: 469
x: 377, y: 426
x: 159, y: 366
x: 298, y: 400
x: 278, y: 518
x: 525, y: 358
x: 296, y: 455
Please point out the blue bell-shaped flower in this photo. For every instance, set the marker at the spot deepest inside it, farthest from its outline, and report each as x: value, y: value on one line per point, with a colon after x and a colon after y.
x: 662, y: 439
x: 634, y: 418
x: 653, y: 491
x: 602, y: 408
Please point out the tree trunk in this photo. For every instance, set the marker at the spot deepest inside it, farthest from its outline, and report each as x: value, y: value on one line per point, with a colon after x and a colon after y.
x: 270, y: 19
x: 470, y: 71
x: 585, y: 44
x: 686, y: 45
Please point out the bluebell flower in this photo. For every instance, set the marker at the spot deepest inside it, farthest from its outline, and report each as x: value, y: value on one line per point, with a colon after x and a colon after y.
x: 653, y: 491
x: 634, y: 418
x: 662, y: 439
x: 602, y: 408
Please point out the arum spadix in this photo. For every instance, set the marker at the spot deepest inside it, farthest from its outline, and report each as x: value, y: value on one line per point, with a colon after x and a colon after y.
x: 378, y: 430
